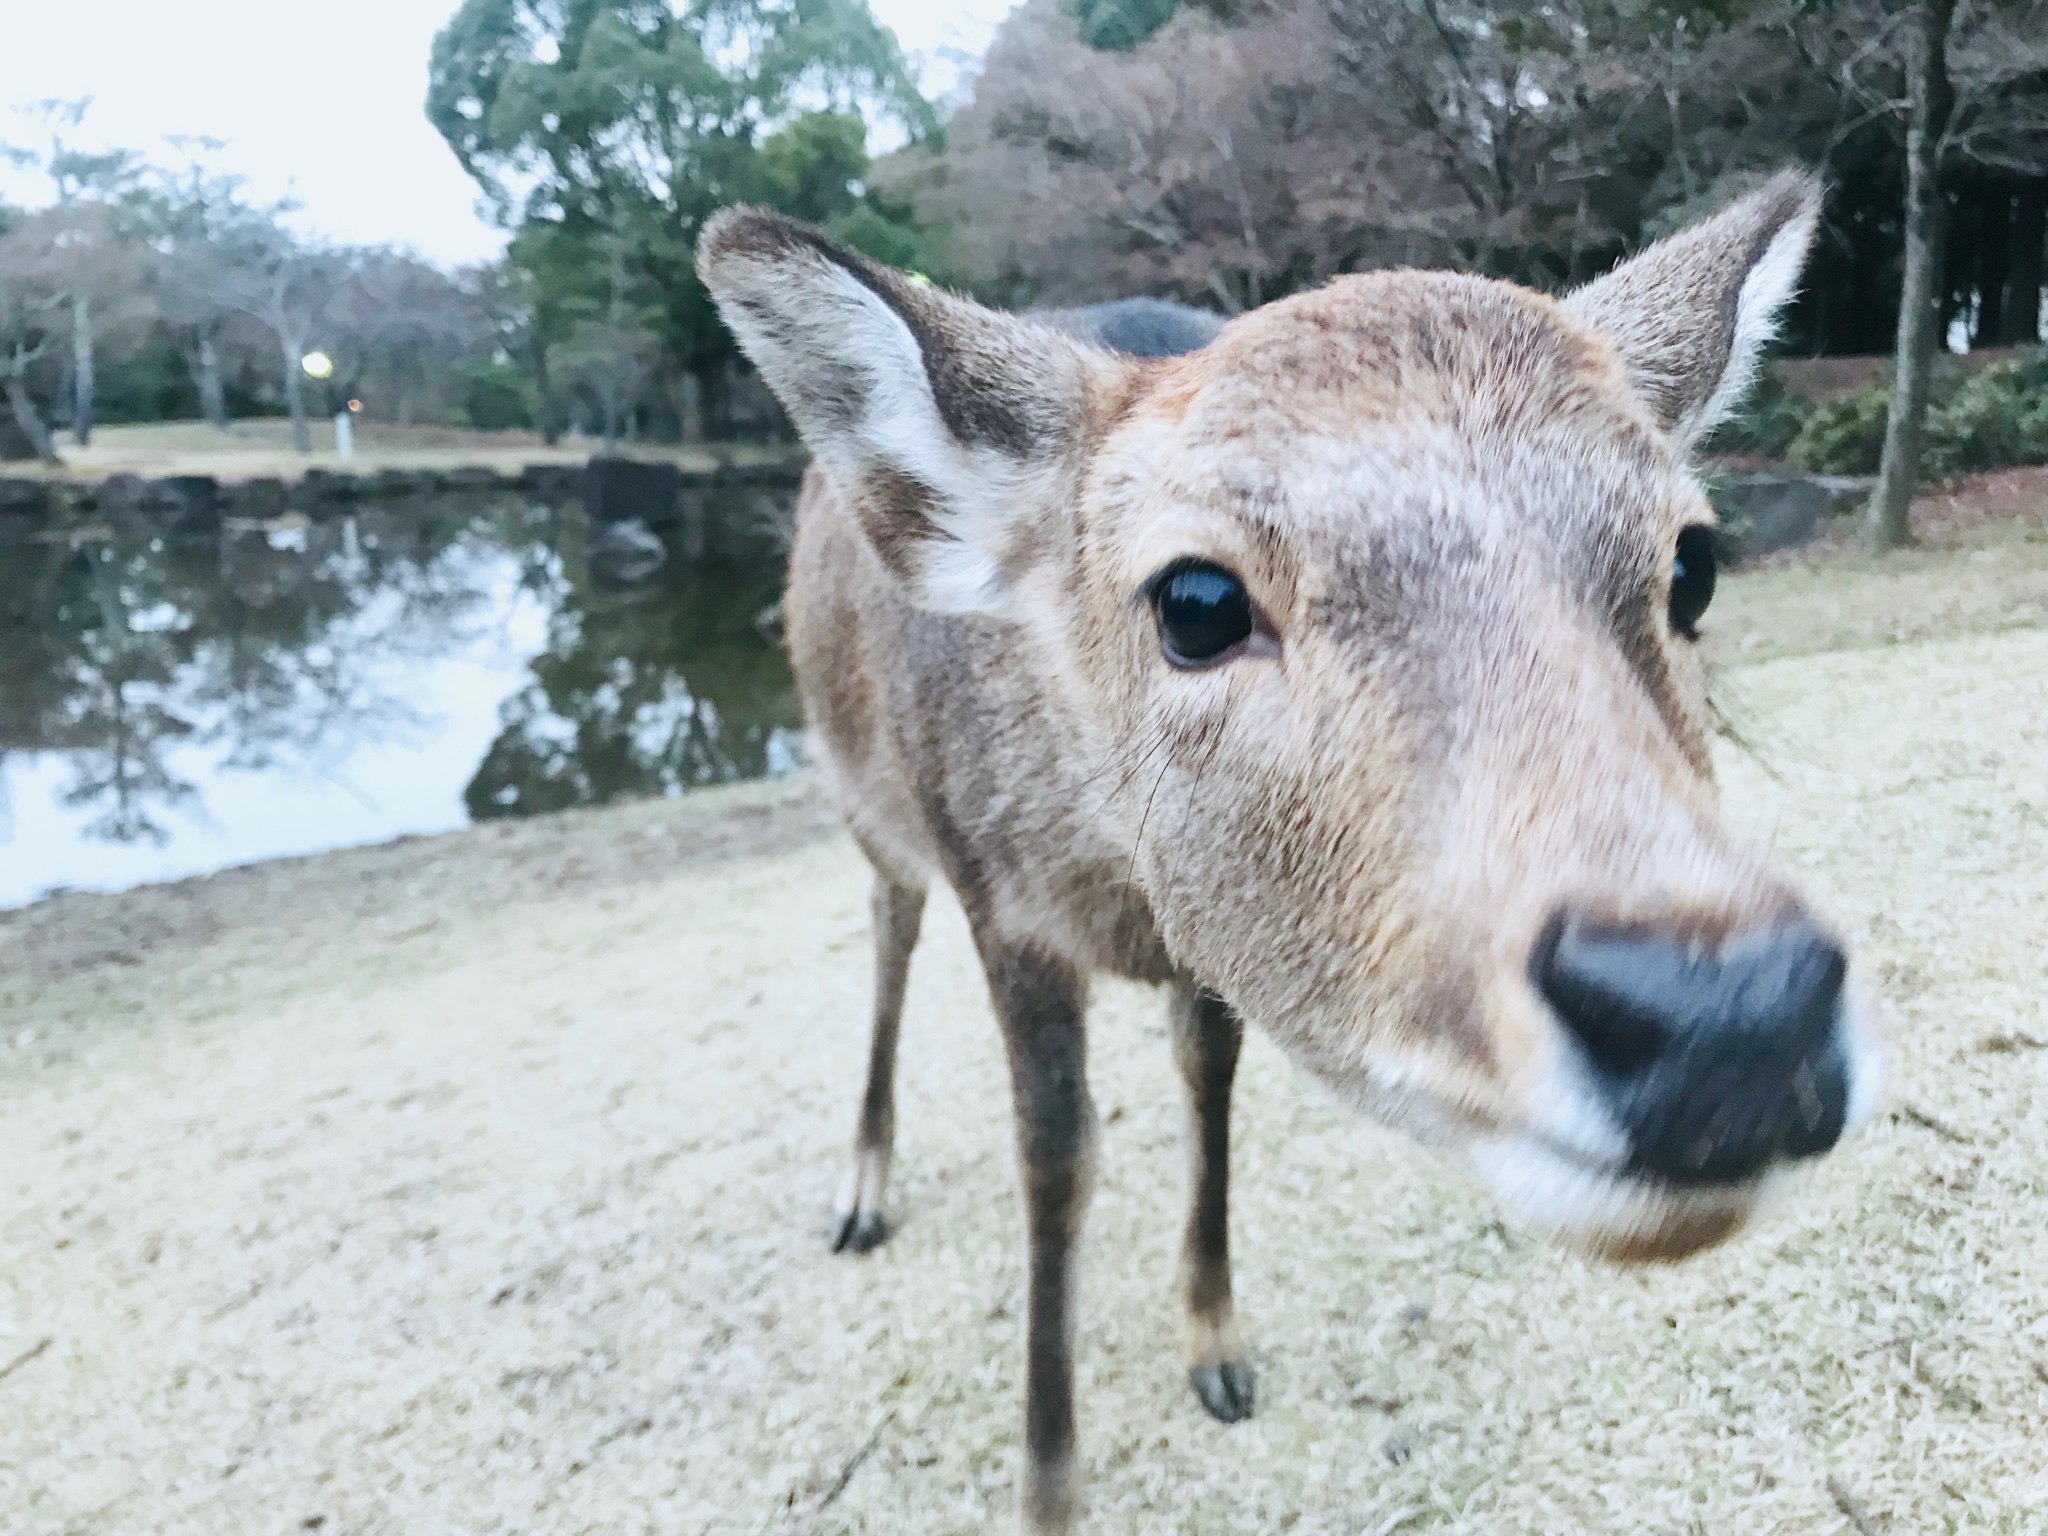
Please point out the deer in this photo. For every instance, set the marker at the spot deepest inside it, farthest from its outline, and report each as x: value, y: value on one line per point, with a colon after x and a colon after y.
x: 1340, y: 674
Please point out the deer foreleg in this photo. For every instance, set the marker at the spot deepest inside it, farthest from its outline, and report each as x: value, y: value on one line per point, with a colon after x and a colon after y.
x: 858, y: 1223
x: 1040, y: 1001
x: 1206, y: 1038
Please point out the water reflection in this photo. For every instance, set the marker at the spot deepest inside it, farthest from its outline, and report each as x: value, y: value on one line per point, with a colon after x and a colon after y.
x: 641, y: 697
x: 171, y: 704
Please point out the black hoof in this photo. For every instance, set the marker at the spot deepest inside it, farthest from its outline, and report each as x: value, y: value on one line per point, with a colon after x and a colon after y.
x: 859, y: 1232
x: 1225, y: 1390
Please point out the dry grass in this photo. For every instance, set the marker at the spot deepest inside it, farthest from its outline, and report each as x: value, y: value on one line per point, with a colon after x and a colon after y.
x: 478, y: 1184
x: 261, y: 447
x: 1981, y: 568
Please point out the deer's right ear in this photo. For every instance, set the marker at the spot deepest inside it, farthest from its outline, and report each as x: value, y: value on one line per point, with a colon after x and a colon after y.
x: 1692, y: 314
x: 958, y: 429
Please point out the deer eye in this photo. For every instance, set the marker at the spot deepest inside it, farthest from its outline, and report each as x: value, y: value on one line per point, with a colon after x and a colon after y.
x: 1204, y: 612
x: 1692, y: 579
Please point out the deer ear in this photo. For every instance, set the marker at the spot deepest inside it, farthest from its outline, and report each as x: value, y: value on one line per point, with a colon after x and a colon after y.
x: 958, y: 430
x: 1692, y: 314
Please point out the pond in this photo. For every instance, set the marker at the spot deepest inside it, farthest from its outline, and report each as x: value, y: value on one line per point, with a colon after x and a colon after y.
x: 172, y: 703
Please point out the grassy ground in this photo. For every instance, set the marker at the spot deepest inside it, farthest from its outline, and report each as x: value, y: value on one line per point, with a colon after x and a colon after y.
x: 479, y: 1184
x: 261, y: 447
x: 1981, y: 568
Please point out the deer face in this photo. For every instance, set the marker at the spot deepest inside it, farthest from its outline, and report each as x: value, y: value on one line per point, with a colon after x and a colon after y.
x: 1376, y: 622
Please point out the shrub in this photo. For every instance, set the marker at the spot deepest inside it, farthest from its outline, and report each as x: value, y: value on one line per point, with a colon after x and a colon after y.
x: 1993, y: 418
x: 1997, y: 417
x: 498, y: 398
x: 1767, y: 425
x: 1842, y: 437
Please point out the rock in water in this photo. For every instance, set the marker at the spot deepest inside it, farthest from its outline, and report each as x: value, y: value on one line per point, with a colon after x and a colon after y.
x: 626, y: 552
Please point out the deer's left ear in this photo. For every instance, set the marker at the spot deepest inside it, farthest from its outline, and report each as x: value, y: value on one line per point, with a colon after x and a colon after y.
x: 1692, y: 314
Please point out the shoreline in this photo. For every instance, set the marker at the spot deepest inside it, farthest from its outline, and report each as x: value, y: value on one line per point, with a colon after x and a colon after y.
x: 467, y: 868
x: 196, y: 499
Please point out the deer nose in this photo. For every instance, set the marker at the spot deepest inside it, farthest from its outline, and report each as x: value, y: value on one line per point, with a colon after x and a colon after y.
x: 1717, y: 1063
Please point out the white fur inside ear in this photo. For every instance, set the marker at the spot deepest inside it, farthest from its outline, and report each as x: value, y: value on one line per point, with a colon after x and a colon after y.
x: 901, y: 427
x: 1766, y: 290
x: 829, y: 320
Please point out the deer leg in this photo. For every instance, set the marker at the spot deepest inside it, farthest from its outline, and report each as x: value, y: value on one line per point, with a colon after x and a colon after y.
x: 857, y: 1221
x: 1206, y: 1038
x: 1040, y: 1001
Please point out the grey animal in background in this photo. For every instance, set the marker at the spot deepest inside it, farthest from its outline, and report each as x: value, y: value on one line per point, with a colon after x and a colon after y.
x: 1137, y: 327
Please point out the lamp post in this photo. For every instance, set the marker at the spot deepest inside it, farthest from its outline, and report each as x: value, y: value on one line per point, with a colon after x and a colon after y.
x: 320, y: 366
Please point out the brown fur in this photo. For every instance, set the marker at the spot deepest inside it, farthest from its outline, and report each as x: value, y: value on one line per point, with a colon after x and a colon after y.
x: 1454, y: 503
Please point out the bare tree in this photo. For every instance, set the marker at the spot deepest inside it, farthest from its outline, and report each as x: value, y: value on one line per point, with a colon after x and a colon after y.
x: 613, y: 360
x: 1499, y: 104
x: 98, y: 270
x: 393, y: 320
x: 1214, y: 162
x: 32, y: 304
x: 210, y: 247
x: 1232, y: 163
x: 101, y: 269
x: 288, y: 287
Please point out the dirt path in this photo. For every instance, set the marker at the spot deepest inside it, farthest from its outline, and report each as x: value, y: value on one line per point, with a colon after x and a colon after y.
x: 478, y: 1185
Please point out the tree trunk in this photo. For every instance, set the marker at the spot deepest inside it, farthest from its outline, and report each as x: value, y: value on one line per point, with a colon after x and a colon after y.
x: 547, y: 411
x: 295, y: 397
x: 2029, y: 233
x: 689, y: 396
x: 81, y: 371
x: 1888, y: 521
x: 716, y: 378
x: 29, y: 419
x: 213, y: 399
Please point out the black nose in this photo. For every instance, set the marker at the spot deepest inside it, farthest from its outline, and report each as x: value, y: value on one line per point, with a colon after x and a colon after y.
x: 1717, y: 1062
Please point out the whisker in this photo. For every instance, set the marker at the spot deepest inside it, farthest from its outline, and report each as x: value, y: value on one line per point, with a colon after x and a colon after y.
x: 1124, y: 752
x: 1212, y: 732
x: 1137, y: 765
x: 1144, y: 817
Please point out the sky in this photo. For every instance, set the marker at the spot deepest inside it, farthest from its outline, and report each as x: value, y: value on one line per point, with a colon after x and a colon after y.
x: 319, y: 101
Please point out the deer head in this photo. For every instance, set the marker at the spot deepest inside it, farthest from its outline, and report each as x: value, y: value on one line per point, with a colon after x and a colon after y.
x: 1396, y: 585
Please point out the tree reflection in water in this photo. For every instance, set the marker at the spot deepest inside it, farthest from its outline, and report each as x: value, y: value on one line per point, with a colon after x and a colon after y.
x: 645, y: 693
x: 287, y: 645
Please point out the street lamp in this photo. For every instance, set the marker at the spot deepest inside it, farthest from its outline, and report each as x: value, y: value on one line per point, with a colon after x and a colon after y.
x: 319, y: 365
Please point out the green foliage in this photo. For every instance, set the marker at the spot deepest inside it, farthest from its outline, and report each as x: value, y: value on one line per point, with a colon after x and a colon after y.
x: 145, y: 381
x: 813, y: 167
x: 1842, y: 437
x: 605, y: 133
x: 817, y: 168
x: 1118, y: 25
x: 1767, y: 425
x: 1999, y: 416
x: 645, y: 694
x: 498, y: 398
x: 1990, y: 419
x: 874, y: 233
